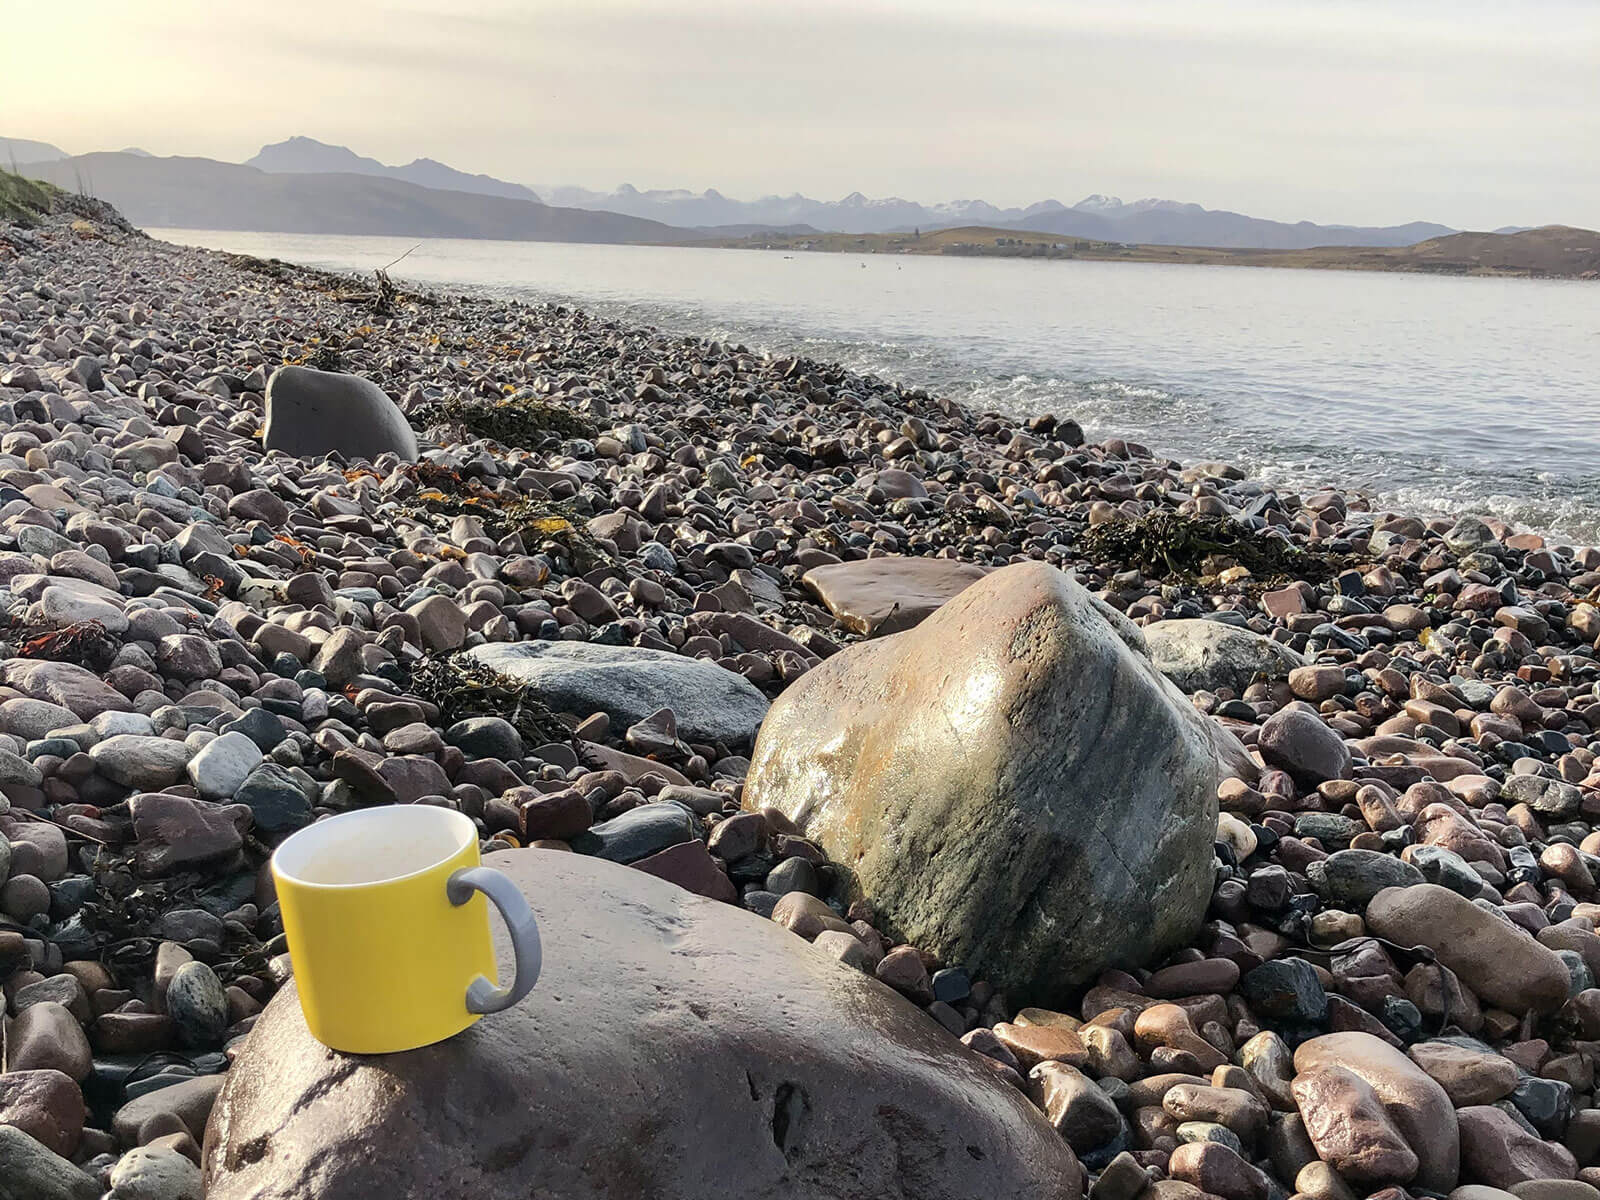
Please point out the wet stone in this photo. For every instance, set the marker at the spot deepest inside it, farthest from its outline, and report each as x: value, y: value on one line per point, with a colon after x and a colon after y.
x: 1353, y: 877
x: 638, y: 833
x: 275, y: 798
x: 1286, y: 992
x: 197, y: 1005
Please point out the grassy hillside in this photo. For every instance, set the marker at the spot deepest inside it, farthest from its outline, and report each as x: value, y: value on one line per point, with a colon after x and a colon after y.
x: 1554, y: 251
x: 24, y: 201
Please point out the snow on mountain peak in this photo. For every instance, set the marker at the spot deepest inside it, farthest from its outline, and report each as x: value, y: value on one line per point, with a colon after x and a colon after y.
x: 1099, y: 203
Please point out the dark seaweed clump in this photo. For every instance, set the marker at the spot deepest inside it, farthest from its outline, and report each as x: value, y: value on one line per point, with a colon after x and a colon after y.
x: 461, y: 687
x: 1165, y: 544
x: 446, y: 495
x: 522, y: 422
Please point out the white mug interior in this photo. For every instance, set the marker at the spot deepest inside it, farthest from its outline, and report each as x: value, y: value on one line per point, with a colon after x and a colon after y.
x: 374, y: 845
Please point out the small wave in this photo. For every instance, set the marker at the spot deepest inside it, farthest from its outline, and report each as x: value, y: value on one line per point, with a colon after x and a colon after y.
x: 1560, y: 517
x: 1188, y: 425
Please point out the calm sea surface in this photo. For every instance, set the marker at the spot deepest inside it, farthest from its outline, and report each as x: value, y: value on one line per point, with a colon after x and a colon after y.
x: 1433, y: 394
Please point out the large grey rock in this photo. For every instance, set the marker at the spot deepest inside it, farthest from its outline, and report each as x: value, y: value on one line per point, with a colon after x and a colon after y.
x: 223, y: 764
x: 312, y: 412
x: 1200, y: 655
x: 29, y: 719
x: 674, y: 1047
x: 639, y: 832
x: 73, y: 687
x: 60, y: 606
x: 628, y: 684
x: 31, y: 1171
x: 1548, y: 797
x: 1014, y: 784
x: 1351, y: 878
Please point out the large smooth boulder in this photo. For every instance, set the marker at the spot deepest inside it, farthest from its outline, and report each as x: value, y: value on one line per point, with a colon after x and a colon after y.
x: 1200, y: 655
x: 1418, y: 1108
x: 1015, y: 786
x: 629, y: 683
x: 880, y: 596
x: 310, y: 413
x: 674, y: 1047
x: 1499, y: 961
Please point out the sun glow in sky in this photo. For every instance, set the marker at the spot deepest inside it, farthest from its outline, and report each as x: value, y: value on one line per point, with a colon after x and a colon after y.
x: 1472, y: 113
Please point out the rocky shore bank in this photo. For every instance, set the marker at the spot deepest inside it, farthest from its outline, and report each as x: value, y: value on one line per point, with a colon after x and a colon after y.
x: 919, y: 802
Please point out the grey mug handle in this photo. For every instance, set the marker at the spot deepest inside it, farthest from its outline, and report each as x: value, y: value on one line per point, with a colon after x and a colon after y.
x: 482, y: 995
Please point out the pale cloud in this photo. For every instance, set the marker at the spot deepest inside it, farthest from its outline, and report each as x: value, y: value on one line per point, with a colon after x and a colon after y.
x: 1472, y: 113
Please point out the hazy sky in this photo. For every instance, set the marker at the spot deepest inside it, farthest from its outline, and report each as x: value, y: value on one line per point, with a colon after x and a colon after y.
x: 1476, y: 113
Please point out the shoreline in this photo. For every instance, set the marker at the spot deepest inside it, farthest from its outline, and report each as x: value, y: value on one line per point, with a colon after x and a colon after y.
x: 1551, y: 252
x: 1414, y: 476
x: 210, y: 646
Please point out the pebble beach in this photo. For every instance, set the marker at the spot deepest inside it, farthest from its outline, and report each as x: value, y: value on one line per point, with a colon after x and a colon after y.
x: 916, y: 801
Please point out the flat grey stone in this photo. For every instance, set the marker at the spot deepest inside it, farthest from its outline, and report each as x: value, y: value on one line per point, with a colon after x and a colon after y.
x: 223, y: 764
x: 1200, y: 655
x: 146, y: 763
x: 628, y: 684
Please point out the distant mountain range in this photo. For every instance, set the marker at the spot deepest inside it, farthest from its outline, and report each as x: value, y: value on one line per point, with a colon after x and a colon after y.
x: 1104, y: 218
x: 201, y: 193
x: 303, y: 185
x: 307, y: 156
x: 1170, y: 223
x: 853, y: 214
x: 21, y: 150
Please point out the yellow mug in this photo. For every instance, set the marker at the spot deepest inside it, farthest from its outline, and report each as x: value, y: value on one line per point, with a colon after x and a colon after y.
x: 389, y: 931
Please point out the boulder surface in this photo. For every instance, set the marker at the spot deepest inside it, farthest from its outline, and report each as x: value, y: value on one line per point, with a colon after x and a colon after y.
x: 1418, y: 1108
x: 1013, y: 784
x: 311, y: 412
x: 673, y: 1047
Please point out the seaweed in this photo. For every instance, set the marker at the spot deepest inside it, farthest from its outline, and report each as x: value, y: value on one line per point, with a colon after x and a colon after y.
x: 462, y: 687
x: 446, y: 495
x: 120, y: 922
x: 84, y: 642
x: 325, y: 358
x: 272, y: 268
x: 541, y: 521
x: 1165, y: 544
x: 521, y: 422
